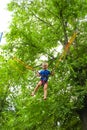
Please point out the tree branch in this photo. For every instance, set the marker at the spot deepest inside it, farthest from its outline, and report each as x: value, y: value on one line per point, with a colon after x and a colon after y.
x: 46, y: 22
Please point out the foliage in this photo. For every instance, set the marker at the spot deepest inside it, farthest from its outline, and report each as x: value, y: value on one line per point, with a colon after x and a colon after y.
x: 37, y: 29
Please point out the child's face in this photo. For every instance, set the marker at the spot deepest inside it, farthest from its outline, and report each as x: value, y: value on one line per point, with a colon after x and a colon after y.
x: 44, y: 66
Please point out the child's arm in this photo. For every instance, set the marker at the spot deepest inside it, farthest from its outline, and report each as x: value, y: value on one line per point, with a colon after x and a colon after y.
x: 37, y: 73
x: 52, y: 73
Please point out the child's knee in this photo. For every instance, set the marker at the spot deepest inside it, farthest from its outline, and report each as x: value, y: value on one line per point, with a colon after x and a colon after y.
x: 45, y: 87
x: 39, y: 84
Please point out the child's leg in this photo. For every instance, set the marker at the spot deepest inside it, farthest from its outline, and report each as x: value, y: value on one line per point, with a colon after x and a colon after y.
x: 45, y: 90
x: 36, y: 88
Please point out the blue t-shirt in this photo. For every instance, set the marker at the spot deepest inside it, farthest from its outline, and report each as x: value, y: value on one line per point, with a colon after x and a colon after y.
x: 44, y: 74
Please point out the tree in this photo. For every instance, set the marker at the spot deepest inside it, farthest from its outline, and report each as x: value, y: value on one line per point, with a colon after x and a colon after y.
x: 36, y: 29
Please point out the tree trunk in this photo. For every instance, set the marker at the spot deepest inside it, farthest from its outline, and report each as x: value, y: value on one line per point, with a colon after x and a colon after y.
x: 83, y: 117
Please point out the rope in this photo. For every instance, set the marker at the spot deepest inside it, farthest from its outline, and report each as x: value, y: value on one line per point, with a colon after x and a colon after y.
x: 62, y: 55
x: 16, y: 68
x: 66, y: 48
x: 25, y: 65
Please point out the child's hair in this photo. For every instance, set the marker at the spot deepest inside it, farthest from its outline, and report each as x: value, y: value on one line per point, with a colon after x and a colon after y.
x: 45, y: 63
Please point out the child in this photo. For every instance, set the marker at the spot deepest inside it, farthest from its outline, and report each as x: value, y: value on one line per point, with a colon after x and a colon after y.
x: 44, y: 74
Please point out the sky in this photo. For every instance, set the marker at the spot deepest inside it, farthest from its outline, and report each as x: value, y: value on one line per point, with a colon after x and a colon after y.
x: 5, y: 17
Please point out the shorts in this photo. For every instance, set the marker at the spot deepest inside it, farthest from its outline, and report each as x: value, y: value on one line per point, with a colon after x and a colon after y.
x: 43, y: 82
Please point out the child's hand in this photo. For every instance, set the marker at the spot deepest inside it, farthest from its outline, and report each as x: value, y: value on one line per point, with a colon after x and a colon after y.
x: 52, y: 73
